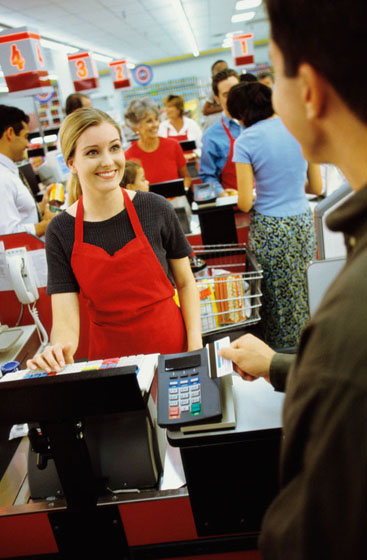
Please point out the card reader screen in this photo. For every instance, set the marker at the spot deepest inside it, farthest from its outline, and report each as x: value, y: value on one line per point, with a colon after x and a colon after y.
x: 184, y: 362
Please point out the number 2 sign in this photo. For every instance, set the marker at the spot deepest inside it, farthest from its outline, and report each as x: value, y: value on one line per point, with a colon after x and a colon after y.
x: 121, y: 78
x: 22, y: 62
x: 83, y: 70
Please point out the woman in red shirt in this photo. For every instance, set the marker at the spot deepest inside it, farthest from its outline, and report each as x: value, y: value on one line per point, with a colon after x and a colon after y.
x: 161, y: 158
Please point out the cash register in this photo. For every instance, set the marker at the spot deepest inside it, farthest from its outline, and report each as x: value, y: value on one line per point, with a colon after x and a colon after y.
x: 92, y: 421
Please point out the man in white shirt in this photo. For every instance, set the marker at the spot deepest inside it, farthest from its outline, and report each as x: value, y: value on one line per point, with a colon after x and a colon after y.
x: 18, y: 208
x: 212, y: 110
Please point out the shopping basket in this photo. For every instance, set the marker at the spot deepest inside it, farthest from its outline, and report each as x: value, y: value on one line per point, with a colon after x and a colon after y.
x: 229, y: 283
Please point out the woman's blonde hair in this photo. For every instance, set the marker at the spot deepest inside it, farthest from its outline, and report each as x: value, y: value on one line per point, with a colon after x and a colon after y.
x: 71, y: 129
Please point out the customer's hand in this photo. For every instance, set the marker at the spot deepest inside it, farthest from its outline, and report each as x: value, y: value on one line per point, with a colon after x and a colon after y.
x: 251, y: 357
x: 40, y: 227
x: 45, y: 200
x: 228, y: 192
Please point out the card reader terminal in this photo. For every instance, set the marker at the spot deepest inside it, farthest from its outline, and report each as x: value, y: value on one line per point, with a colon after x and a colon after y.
x: 186, y: 393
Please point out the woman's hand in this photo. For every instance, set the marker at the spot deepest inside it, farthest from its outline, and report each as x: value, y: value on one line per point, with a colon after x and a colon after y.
x: 53, y: 358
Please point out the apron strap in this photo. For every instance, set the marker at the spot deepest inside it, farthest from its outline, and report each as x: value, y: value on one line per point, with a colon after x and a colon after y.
x: 231, y: 140
x: 79, y: 221
x: 135, y: 222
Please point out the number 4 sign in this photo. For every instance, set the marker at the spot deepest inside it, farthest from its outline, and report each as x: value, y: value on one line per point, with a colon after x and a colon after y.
x: 121, y: 74
x: 22, y: 62
x: 83, y: 70
x: 243, y: 49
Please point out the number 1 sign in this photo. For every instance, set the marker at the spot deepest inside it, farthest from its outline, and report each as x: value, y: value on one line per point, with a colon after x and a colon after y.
x: 121, y: 74
x: 243, y: 49
x: 83, y: 70
x: 22, y: 62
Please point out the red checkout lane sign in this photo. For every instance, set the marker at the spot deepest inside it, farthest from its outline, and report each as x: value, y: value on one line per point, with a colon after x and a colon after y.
x: 23, y: 62
x: 243, y: 49
x: 84, y: 72
x: 121, y: 74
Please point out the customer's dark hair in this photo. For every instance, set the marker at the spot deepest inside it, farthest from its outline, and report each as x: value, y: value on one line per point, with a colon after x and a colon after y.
x: 12, y: 117
x: 217, y: 62
x: 321, y: 32
x: 74, y: 102
x: 248, y: 77
x: 250, y: 103
x: 263, y: 75
x: 221, y: 76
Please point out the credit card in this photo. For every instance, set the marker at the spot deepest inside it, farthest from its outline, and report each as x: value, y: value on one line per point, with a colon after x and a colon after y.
x: 222, y: 365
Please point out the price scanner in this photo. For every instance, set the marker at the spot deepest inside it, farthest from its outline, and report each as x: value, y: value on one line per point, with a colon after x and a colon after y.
x: 204, y: 193
x: 193, y: 388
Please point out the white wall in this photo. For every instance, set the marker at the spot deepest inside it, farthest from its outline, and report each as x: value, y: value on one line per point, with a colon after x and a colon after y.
x: 201, y: 65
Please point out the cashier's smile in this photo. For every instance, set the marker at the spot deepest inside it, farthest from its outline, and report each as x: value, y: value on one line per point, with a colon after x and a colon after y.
x: 107, y: 174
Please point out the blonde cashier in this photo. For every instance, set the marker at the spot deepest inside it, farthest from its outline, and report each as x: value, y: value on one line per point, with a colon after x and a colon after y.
x: 123, y: 250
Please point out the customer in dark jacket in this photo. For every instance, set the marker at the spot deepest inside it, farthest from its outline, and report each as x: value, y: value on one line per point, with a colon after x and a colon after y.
x: 320, y: 511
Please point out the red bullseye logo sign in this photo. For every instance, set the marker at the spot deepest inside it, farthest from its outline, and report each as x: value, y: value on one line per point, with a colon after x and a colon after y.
x: 143, y: 74
x: 44, y: 97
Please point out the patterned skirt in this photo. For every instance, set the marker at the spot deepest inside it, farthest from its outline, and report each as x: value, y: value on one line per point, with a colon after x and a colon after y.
x: 283, y: 248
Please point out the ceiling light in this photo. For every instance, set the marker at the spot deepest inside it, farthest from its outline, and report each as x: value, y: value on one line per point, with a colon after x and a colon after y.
x: 246, y: 16
x: 102, y: 57
x: 231, y: 33
x: 63, y: 47
x: 49, y: 139
x: 247, y: 4
x: 184, y: 22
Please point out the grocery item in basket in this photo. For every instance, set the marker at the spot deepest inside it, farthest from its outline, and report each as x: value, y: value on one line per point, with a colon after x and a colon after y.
x: 229, y: 292
x: 248, y: 309
x: 198, y: 267
x: 208, y: 307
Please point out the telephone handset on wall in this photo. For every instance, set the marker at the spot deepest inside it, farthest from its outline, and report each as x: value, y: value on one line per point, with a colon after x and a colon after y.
x: 21, y: 274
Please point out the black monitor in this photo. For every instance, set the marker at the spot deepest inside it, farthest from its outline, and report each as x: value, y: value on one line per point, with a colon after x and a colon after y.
x: 30, y: 176
x: 59, y: 404
x: 188, y: 145
x: 169, y: 189
x: 330, y: 244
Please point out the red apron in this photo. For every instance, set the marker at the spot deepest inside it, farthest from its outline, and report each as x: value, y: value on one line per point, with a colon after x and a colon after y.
x: 181, y: 138
x: 129, y: 297
x: 178, y: 137
x: 228, y: 177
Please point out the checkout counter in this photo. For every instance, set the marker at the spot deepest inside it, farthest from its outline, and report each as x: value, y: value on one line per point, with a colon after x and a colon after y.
x: 209, y: 498
x: 206, y: 494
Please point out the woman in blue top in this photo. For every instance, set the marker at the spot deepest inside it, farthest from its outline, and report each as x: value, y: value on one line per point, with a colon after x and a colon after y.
x: 281, y: 231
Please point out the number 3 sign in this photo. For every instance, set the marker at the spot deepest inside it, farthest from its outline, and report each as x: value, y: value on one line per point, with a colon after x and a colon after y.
x: 22, y: 62
x: 83, y: 70
x: 121, y: 74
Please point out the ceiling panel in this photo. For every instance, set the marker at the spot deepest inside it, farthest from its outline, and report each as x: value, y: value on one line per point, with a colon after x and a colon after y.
x: 140, y: 30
